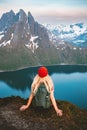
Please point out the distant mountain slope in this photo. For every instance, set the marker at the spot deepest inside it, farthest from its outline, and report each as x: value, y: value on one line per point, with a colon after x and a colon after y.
x: 75, y: 34
x: 24, y: 42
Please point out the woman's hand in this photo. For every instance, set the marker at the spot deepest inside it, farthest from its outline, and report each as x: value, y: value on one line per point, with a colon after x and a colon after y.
x: 59, y: 112
x: 23, y: 108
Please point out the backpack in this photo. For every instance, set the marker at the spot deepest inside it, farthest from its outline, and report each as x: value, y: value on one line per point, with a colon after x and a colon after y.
x: 42, y: 98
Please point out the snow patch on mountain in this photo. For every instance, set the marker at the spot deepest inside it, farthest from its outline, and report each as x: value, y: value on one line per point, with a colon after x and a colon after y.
x: 1, y: 35
x: 75, y: 34
x: 33, y: 38
x: 5, y: 43
x: 12, y: 36
x: 33, y: 45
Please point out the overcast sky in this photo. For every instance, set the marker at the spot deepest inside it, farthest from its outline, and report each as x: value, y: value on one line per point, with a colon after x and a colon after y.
x: 49, y: 11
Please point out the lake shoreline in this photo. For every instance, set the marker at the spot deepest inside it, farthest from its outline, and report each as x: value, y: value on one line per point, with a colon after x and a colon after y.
x: 22, y: 68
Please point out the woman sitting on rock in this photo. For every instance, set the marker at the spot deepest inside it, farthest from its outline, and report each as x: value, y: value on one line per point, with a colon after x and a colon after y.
x: 42, y: 78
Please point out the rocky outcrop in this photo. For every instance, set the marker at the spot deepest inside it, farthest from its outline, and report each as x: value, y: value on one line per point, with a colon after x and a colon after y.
x: 38, y: 118
x: 7, y: 20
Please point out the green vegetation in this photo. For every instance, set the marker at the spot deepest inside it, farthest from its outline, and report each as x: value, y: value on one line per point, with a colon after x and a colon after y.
x: 21, y: 57
x: 14, y: 58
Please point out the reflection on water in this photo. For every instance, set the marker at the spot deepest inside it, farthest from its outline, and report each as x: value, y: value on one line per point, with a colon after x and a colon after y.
x: 17, y: 83
x: 7, y: 91
x: 70, y: 83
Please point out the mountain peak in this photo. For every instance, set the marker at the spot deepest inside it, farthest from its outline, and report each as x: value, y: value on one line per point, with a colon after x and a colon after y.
x: 31, y: 22
x: 22, y: 15
x: 7, y: 20
x: 30, y: 17
x: 21, y: 11
x: 12, y: 12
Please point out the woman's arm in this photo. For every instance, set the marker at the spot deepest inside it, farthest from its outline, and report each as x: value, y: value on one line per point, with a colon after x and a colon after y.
x: 34, y: 88
x: 49, y: 85
x: 58, y: 111
x: 24, y: 107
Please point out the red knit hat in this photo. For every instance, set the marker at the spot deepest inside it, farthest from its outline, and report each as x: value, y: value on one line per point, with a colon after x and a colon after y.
x: 42, y: 72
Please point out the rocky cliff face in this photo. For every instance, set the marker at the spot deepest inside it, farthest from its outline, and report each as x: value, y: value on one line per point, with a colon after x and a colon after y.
x: 7, y: 20
x: 24, y: 42
x: 38, y: 118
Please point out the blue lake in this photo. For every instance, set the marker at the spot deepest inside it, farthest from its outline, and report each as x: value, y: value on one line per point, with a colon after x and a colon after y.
x: 70, y: 83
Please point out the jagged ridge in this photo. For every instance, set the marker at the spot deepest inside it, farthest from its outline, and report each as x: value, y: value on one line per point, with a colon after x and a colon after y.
x: 24, y: 42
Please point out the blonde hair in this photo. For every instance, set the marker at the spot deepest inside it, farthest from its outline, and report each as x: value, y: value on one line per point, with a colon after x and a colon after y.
x: 47, y: 81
